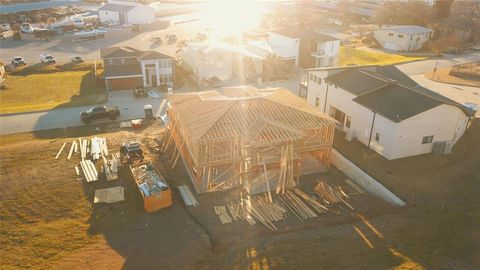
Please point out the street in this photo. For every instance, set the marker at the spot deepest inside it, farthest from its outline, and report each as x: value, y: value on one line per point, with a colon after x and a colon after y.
x: 130, y: 108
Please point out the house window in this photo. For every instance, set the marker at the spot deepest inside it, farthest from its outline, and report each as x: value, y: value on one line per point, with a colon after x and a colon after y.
x: 390, y: 34
x: 319, y: 81
x: 400, y: 36
x: 317, y: 101
x: 348, y: 122
x: 110, y: 61
x: 427, y: 139
x: 377, y: 136
x: 122, y: 61
x: 315, y: 78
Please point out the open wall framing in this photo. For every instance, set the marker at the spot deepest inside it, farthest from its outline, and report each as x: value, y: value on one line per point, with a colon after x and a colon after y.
x: 242, y: 136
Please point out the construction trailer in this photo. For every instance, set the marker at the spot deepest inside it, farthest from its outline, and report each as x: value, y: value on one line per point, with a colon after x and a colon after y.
x: 261, y: 140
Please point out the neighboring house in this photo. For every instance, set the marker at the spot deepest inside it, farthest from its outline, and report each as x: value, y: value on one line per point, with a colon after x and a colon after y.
x: 386, y: 110
x: 126, y: 12
x: 126, y: 68
x: 303, y: 48
x: 225, y: 61
x: 2, y: 74
x: 403, y: 38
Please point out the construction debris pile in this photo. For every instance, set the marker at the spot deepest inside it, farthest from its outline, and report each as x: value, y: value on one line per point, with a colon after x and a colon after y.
x: 267, y: 209
x: 148, y: 180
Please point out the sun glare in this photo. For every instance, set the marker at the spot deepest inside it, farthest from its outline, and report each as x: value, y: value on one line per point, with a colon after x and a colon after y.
x: 231, y: 18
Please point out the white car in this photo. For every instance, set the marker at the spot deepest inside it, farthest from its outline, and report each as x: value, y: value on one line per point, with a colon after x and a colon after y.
x: 47, y: 59
x: 18, y: 61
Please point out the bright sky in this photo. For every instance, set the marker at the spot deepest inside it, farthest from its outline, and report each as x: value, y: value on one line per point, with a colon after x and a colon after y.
x: 232, y: 17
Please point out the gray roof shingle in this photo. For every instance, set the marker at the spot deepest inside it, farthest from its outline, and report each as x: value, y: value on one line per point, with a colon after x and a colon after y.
x: 408, y: 29
x: 304, y: 34
x: 116, y: 8
x: 396, y: 102
x: 390, y: 92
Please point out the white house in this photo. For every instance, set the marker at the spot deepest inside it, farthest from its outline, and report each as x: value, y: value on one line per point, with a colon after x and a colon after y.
x: 402, y: 38
x: 126, y: 68
x: 219, y: 59
x: 126, y: 12
x: 303, y: 48
x: 387, y: 111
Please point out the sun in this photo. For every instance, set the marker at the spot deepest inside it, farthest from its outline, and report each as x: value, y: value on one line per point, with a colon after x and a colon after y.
x: 231, y: 18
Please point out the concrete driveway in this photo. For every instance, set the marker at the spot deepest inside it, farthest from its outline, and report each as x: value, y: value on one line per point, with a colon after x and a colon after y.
x: 458, y: 93
x: 130, y: 108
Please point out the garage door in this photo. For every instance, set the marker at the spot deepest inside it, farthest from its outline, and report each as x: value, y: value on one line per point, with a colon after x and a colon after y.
x: 390, y: 46
x: 124, y: 83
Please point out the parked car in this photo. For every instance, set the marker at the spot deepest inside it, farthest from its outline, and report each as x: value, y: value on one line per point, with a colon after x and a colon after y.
x: 77, y: 59
x: 99, y: 112
x: 140, y: 92
x: 18, y: 61
x: 47, y: 58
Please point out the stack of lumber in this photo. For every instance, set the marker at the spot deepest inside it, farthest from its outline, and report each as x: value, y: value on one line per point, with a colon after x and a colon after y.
x: 221, y: 212
x: 187, y: 196
x: 296, y: 206
x: 110, y: 167
x: 331, y: 194
x: 259, y: 208
x: 265, y: 212
x: 89, y: 170
x: 311, y: 201
x: 98, y: 148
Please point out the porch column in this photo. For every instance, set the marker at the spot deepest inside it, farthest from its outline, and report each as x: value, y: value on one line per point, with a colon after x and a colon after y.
x: 144, y: 73
x: 157, y: 69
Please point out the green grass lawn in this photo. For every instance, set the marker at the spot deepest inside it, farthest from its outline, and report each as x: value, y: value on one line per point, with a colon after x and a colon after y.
x: 351, y: 56
x: 39, y: 87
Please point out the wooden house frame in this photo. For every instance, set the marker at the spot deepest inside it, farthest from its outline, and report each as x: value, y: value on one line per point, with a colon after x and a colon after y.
x: 242, y: 136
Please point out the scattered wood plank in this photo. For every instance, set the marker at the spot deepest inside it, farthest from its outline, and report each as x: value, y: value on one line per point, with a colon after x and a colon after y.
x: 60, y: 151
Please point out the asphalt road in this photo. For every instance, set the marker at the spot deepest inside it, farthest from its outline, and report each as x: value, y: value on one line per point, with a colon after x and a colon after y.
x: 420, y: 67
x: 130, y: 108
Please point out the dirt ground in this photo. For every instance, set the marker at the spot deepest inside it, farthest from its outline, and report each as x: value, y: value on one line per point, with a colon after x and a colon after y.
x: 48, y: 221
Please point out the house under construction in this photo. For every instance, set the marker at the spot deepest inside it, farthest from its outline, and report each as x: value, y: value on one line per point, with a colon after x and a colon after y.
x: 242, y: 136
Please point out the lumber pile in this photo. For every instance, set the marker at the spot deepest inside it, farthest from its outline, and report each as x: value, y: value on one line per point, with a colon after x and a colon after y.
x: 331, y: 194
x: 94, y: 148
x: 187, y: 196
x: 259, y: 208
x: 110, y: 167
x: 98, y: 148
x: 301, y: 210
x: 89, y: 170
x: 221, y: 212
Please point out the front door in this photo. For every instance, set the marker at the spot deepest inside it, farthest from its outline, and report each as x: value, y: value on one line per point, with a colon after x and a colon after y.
x: 153, y: 79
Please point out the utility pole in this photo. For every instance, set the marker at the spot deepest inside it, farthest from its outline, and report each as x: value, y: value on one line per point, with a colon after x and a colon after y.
x: 435, y: 69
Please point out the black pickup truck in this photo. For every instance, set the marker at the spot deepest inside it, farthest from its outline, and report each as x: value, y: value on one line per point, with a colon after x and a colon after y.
x: 98, y: 112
